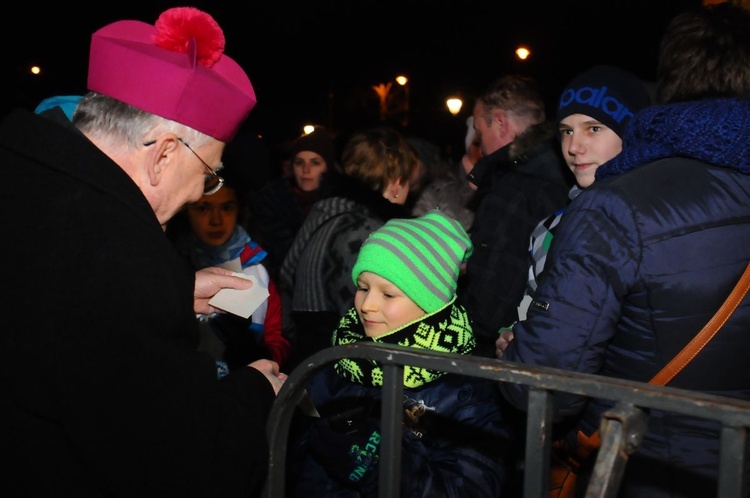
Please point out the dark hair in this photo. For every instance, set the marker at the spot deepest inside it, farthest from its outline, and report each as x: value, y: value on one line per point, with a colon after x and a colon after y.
x: 705, y: 53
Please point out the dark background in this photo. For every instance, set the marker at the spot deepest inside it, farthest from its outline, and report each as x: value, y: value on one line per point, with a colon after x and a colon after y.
x: 316, y: 62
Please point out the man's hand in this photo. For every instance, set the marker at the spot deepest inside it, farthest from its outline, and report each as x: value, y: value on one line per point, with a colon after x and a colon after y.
x: 271, y: 370
x: 209, y: 281
x: 506, y: 335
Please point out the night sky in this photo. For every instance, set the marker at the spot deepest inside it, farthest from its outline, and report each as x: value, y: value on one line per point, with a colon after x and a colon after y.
x: 317, y: 61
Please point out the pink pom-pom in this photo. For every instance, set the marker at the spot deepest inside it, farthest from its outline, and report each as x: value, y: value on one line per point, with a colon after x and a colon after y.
x: 176, y: 27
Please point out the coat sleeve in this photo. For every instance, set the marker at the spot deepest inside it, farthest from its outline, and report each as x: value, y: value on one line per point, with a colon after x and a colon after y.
x: 273, y: 339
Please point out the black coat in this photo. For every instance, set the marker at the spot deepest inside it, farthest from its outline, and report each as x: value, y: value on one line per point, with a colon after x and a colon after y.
x: 522, y: 183
x: 103, y: 392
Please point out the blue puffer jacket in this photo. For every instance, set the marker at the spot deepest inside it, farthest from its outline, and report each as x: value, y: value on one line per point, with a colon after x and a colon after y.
x: 640, y: 262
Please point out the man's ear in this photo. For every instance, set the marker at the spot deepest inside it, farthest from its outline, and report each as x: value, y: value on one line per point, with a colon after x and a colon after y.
x: 163, y: 155
x: 500, y: 119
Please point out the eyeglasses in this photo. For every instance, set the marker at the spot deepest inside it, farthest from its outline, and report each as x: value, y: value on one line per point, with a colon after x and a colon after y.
x: 211, y: 181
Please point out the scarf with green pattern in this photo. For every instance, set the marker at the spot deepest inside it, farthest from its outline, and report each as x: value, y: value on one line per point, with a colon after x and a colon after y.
x: 446, y: 330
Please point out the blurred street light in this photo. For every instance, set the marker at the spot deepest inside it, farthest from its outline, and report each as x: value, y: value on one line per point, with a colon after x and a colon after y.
x: 523, y: 53
x: 454, y: 105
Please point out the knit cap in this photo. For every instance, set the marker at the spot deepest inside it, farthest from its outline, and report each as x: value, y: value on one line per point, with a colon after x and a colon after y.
x: 606, y: 93
x: 317, y: 141
x: 420, y: 256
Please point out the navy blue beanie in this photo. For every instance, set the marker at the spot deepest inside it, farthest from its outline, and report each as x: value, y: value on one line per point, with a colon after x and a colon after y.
x: 606, y: 93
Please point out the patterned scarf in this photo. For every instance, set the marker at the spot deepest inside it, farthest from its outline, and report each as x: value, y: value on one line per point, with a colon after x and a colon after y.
x: 239, y: 245
x: 715, y: 131
x: 446, y: 330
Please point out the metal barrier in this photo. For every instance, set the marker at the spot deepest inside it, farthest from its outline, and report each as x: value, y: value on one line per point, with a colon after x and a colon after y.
x: 621, y: 430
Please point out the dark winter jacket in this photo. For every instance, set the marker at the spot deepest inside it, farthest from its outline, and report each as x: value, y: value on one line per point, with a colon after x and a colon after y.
x: 519, y: 185
x: 103, y: 392
x: 278, y: 211
x: 640, y: 262
x: 455, y: 436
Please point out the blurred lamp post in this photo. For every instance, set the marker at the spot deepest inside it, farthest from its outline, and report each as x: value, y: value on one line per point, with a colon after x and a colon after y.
x: 387, y: 104
x: 454, y: 105
x: 383, y: 89
x: 523, y: 53
x: 403, y: 80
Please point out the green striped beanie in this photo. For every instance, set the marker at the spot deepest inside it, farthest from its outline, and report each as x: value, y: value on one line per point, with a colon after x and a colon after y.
x: 420, y: 256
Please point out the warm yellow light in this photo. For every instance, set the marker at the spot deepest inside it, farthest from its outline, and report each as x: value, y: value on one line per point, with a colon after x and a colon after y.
x: 308, y: 128
x: 36, y: 69
x: 523, y: 53
x: 454, y: 105
x: 402, y: 80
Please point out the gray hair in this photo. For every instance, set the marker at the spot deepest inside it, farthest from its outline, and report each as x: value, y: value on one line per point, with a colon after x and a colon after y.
x: 122, y: 125
x: 519, y: 96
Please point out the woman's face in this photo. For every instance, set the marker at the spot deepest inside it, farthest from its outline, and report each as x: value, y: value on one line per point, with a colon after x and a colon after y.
x: 586, y: 145
x: 381, y: 306
x: 213, y: 217
x: 308, y: 169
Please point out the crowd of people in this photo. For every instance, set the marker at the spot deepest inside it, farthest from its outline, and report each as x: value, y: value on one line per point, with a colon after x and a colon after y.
x: 599, y: 240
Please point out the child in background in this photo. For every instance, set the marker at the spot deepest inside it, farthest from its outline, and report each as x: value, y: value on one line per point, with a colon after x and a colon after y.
x: 210, y: 235
x: 454, y: 435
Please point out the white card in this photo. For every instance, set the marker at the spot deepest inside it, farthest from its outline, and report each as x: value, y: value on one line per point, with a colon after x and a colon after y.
x: 241, y: 302
x: 234, y: 265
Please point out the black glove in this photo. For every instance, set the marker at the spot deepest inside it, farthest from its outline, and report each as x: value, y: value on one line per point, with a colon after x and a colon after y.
x: 347, y: 446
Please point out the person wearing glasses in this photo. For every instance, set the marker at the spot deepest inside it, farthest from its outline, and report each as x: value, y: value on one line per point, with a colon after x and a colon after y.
x: 103, y: 389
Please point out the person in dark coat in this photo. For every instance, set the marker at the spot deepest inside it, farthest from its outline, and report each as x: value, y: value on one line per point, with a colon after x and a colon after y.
x: 520, y: 179
x: 103, y: 391
x: 279, y: 209
x: 644, y: 257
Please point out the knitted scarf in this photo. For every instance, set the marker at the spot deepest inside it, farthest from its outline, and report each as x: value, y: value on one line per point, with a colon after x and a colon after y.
x: 446, y: 330
x: 239, y: 245
x: 715, y: 131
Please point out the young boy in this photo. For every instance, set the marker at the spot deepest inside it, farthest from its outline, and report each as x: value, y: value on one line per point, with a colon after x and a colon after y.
x: 454, y: 436
x: 592, y: 114
x: 209, y: 233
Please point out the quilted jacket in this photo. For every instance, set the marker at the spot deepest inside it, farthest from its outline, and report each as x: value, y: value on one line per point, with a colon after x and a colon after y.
x: 519, y: 185
x: 640, y: 262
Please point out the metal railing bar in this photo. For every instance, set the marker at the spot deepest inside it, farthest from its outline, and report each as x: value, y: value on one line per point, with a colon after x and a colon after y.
x: 391, y: 418
x: 732, y: 414
x: 538, y: 443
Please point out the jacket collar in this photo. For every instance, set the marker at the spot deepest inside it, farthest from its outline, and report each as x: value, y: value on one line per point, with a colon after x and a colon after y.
x: 715, y: 131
